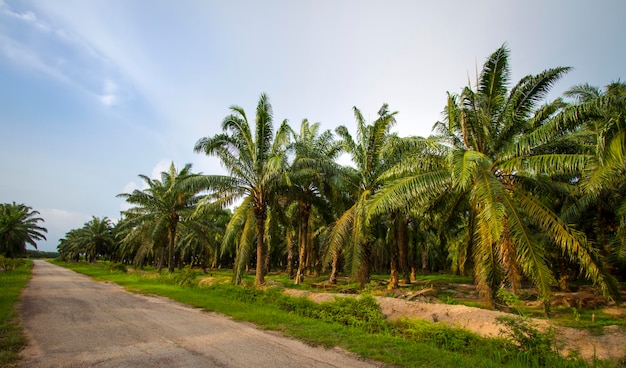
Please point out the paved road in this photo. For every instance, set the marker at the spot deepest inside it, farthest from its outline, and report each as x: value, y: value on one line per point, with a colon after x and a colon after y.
x: 73, y: 321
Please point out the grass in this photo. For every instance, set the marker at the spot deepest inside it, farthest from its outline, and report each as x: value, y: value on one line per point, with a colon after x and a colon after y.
x: 355, y: 325
x: 14, y: 275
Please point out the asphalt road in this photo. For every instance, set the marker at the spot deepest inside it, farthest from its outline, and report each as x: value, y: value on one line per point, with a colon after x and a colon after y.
x: 73, y: 321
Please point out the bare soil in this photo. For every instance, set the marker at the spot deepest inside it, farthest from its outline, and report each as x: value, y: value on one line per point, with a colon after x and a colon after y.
x: 605, y: 343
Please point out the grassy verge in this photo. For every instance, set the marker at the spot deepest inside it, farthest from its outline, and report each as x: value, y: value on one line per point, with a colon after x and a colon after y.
x: 14, y: 274
x: 355, y: 325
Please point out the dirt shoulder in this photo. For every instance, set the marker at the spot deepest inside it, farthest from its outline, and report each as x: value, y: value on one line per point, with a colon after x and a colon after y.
x: 607, y: 344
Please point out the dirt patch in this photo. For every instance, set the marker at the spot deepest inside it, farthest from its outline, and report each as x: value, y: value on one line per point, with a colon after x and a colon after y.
x: 604, y: 343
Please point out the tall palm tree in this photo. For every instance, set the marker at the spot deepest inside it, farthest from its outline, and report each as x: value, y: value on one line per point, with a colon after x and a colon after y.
x: 601, y: 115
x: 371, y: 154
x: 255, y: 161
x: 310, y: 186
x: 164, y: 205
x: 502, y: 175
x: 19, y: 227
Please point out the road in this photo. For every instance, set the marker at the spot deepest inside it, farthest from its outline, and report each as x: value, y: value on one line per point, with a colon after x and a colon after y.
x: 73, y: 321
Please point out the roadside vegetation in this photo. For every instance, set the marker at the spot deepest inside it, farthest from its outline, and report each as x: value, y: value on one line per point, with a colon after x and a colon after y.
x: 356, y: 325
x: 14, y: 274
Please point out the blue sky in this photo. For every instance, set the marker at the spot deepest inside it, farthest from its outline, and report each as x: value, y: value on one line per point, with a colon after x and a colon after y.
x: 95, y: 92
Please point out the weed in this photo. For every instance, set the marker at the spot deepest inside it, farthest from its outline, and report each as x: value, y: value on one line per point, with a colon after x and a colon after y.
x: 527, y: 337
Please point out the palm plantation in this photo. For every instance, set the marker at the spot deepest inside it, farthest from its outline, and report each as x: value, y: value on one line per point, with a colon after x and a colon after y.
x: 511, y: 189
x: 507, y: 161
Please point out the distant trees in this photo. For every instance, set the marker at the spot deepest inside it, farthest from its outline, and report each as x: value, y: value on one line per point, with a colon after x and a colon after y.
x: 19, y: 227
x: 159, y: 209
x: 95, y: 239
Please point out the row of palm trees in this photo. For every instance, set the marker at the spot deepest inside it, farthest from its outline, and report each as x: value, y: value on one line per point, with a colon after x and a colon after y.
x: 510, y: 189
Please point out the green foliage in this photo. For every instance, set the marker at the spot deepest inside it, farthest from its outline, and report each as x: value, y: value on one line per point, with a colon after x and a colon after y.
x: 118, y: 267
x: 362, y: 313
x: 10, y: 264
x: 186, y: 277
x: 527, y: 338
x: 440, y: 334
x: 12, y: 280
x: 19, y: 227
x: 512, y: 300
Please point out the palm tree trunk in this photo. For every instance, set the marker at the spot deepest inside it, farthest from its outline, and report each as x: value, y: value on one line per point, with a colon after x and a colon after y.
x: 335, y: 267
x: 290, y: 250
x: 393, y: 278
x: 260, y: 245
x: 162, y: 258
x: 303, y: 240
x: 301, y: 255
x: 403, y: 242
x: 363, y: 273
x: 172, y: 238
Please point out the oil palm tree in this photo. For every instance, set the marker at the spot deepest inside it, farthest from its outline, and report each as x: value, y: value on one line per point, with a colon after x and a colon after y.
x: 95, y: 238
x: 601, y: 203
x: 502, y: 176
x: 255, y: 159
x: 310, y: 186
x: 19, y: 226
x: 164, y: 205
x: 371, y: 154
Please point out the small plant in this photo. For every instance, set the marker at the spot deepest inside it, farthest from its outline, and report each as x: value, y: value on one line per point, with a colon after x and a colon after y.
x: 118, y: 267
x: 185, y: 278
x: 511, y: 300
x: 527, y: 338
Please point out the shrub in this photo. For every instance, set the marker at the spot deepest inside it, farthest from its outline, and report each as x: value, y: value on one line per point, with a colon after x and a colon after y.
x: 118, y: 267
x: 185, y: 277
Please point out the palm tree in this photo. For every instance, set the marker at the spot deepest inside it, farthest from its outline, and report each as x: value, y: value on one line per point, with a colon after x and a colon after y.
x: 202, y: 235
x: 96, y: 237
x: 164, y: 205
x: 371, y: 154
x: 601, y: 115
x: 502, y: 176
x: 310, y: 187
x: 68, y: 248
x: 18, y: 227
x: 255, y: 165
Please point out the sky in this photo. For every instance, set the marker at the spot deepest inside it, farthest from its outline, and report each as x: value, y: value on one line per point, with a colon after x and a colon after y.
x: 95, y: 92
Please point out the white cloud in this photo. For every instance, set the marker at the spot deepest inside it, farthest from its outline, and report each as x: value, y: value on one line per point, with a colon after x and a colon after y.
x: 58, y: 222
x: 162, y: 166
x: 131, y: 186
x: 109, y: 96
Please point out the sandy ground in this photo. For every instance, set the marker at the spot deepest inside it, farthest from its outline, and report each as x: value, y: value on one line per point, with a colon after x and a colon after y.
x: 72, y: 321
x: 610, y: 344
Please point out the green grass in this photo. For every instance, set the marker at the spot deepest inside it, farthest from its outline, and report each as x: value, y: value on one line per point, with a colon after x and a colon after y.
x: 355, y: 325
x: 14, y: 275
